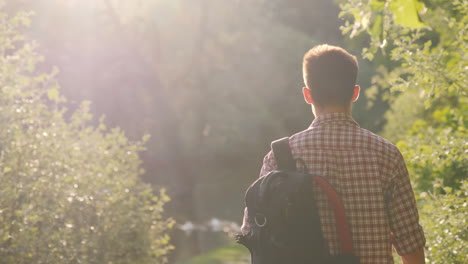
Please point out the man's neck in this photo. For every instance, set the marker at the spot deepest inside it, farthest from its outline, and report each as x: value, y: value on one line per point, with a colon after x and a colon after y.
x: 319, y: 111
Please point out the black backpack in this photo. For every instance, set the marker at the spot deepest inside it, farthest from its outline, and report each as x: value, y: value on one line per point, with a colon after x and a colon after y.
x: 284, y: 220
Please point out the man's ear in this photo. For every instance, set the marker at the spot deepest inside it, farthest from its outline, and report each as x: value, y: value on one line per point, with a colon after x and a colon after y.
x: 307, y: 95
x: 356, y: 92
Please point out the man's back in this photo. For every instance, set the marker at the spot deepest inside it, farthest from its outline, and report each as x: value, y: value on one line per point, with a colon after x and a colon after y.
x: 364, y: 169
x: 368, y: 172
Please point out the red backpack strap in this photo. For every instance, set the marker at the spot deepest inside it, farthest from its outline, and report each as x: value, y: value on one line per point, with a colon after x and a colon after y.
x: 340, y: 216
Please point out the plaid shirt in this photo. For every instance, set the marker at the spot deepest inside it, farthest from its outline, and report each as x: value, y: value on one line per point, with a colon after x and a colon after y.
x: 363, y: 168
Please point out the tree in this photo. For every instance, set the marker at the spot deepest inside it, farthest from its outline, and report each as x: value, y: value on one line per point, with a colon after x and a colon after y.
x: 70, y: 192
x: 427, y: 44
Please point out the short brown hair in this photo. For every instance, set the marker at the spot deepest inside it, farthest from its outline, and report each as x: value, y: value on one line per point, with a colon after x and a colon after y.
x: 330, y: 73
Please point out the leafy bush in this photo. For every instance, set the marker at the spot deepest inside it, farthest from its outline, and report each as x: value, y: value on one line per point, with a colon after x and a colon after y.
x: 69, y: 192
x: 444, y: 218
x: 427, y: 46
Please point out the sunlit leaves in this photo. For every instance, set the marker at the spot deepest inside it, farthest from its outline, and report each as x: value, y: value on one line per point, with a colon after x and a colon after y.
x: 53, y: 94
x: 70, y: 192
x: 429, y: 104
x: 377, y: 18
x: 406, y: 12
x: 448, y: 227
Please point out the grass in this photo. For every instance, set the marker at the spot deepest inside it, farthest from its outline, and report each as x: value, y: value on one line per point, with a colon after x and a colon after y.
x: 231, y: 254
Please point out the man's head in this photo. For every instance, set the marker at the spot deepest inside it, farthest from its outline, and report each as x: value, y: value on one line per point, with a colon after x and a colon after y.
x: 330, y: 74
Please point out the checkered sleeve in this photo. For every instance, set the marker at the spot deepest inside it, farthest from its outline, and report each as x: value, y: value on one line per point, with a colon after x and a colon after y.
x: 269, y: 164
x: 408, y: 235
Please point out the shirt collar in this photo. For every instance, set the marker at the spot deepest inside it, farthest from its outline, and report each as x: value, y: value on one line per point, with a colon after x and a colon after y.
x: 341, y: 118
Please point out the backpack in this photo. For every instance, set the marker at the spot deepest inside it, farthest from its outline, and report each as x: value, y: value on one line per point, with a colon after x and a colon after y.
x: 284, y: 220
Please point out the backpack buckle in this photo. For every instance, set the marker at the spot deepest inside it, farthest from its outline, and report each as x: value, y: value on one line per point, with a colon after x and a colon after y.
x: 264, y: 222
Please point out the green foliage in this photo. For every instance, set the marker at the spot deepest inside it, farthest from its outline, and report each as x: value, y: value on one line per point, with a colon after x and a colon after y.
x: 444, y: 216
x: 437, y: 152
x: 378, y: 18
x: 70, y: 192
x: 428, y: 82
x: 406, y: 12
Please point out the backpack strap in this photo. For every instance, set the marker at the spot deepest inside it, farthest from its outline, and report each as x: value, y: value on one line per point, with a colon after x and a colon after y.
x: 285, y: 161
x: 342, y: 227
x: 283, y: 155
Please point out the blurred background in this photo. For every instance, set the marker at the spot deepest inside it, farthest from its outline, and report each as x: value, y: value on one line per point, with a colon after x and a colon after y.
x: 212, y: 82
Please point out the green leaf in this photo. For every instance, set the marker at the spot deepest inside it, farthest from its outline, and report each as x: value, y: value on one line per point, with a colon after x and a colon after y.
x: 407, y: 12
x: 53, y: 94
x: 376, y: 29
x: 377, y: 5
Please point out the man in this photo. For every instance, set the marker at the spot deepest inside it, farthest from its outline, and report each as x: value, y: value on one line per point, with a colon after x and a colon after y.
x: 367, y: 171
